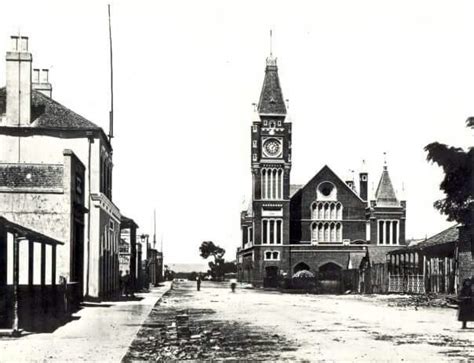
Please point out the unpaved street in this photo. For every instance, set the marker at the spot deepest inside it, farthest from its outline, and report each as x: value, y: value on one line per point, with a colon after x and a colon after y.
x: 293, y: 326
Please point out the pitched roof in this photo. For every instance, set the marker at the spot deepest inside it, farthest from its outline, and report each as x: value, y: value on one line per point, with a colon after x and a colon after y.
x: 294, y: 188
x: 385, y: 194
x: 271, y: 97
x: 47, y: 113
x: 447, y: 236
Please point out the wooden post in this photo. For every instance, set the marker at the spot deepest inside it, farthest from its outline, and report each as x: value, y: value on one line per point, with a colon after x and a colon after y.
x: 16, y: 261
x: 53, y: 265
x: 30, y: 263
x: 43, y: 264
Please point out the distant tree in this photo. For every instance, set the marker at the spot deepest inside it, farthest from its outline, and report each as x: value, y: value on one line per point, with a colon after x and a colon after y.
x: 208, y: 249
x: 458, y: 182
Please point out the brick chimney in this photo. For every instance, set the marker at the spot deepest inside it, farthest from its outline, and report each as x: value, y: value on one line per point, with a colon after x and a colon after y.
x: 18, y: 82
x: 41, y: 81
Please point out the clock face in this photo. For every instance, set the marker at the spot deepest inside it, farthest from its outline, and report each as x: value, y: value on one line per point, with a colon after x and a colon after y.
x: 272, y: 147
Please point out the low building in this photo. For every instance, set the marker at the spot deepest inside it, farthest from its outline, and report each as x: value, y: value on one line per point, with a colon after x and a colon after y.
x: 431, y: 265
x: 128, y: 256
x: 30, y: 297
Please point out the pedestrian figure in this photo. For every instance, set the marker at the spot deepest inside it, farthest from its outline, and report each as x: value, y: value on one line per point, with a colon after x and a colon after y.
x: 121, y: 282
x: 198, y: 282
x: 233, y: 284
x: 466, y: 303
x: 126, y: 284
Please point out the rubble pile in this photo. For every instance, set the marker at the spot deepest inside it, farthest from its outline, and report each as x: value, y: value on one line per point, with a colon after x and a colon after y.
x: 172, y: 334
x: 425, y: 300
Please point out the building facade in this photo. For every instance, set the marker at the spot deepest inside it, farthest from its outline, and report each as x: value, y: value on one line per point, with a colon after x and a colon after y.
x: 35, y: 129
x: 324, y: 226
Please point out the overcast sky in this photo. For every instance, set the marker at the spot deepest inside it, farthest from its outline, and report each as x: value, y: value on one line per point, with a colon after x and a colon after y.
x: 362, y: 77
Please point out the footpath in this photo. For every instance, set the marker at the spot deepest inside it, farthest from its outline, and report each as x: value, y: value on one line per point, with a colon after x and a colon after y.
x: 99, y: 333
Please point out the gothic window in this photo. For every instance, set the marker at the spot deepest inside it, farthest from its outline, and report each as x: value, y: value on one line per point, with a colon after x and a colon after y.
x: 326, y: 232
x: 272, y: 231
x: 326, y: 211
x: 388, y: 232
x: 272, y: 183
x: 314, y: 232
x: 320, y: 232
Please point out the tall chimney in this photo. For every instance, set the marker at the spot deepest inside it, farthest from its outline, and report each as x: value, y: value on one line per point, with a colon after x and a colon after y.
x: 363, y: 181
x: 18, y: 81
x: 41, y: 81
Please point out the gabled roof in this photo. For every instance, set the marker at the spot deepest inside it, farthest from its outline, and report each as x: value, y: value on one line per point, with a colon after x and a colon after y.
x: 294, y: 188
x: 47, y: 113
x: 385, y: 194
x: 325, y: 167
x: 271, y: 97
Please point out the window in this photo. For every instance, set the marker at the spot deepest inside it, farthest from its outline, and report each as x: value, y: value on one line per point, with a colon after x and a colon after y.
x: 254, y: 157
x: 265, y: 122
x: 326, y: 191
x: 388, y: 232
x: 254, y: 128
x: 326, y: 232
x: 254, y: 143
x: 326, y: 211
x: 272, y: 231
x: 272, y: 183
x: 272, y: 256
x: 279, y: 123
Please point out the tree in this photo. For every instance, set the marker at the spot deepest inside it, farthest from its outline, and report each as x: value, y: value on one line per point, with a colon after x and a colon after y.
x: 207, y: 249
x: 458, y: 182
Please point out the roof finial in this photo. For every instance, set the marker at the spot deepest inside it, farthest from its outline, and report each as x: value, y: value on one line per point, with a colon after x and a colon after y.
x: 385, y: 160
x: 271, y: 43
x: 271, y: 61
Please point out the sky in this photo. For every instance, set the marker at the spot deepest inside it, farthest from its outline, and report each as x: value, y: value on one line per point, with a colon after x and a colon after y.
x: 362, y: 78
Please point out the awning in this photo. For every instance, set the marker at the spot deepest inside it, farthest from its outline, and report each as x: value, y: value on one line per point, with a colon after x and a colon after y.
x: 26, y: 233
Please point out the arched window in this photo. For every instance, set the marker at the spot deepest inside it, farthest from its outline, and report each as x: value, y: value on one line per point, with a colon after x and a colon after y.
x: 333, y: 233
x: 320, y: 232
x: 326, y: 211
x: 314, y: 232
x: 271, y: 255
x: 339, y: 232
x: 326, y: 233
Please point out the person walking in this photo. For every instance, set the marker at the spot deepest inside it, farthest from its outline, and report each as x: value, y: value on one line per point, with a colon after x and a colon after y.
x: 121, y: 282
x: 198, y: 282
x: 466, y: 303
x: 233, y: 284
x: 126, y: 284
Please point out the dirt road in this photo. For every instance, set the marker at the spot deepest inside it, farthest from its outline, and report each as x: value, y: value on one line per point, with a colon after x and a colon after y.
x: 257, y: 324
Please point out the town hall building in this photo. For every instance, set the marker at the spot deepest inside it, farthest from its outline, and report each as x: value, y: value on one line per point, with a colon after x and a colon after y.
x: 326, y: 225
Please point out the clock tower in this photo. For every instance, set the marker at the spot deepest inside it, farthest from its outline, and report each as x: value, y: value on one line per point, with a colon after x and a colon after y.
x: 271, y: 163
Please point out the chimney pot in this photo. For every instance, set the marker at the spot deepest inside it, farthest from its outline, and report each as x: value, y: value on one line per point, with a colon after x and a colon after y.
x: 23, y: 44
x: 36, y: 75
x: 44, y: 75
x: 14, y: 43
